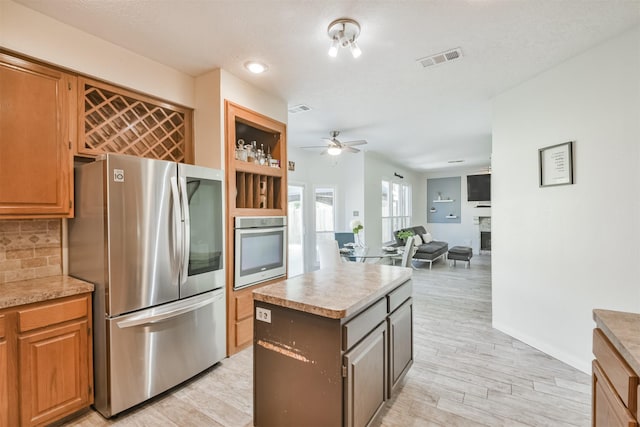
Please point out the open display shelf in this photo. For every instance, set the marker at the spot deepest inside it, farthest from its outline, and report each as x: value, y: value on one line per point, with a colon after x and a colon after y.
x: 252, y: 190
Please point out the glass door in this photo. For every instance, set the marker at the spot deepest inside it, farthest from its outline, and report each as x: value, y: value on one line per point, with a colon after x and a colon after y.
x: 295, y: 230
x: 325, y: 216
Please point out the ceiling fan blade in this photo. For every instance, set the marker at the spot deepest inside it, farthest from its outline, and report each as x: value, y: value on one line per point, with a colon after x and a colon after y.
x: 350, y: 149
x: 315, y: 146
x: 352, y: 143
x: 331, y: 142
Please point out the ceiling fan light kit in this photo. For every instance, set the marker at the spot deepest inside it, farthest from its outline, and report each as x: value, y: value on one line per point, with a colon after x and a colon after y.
x: 344, y: 32
x: 335, y: 147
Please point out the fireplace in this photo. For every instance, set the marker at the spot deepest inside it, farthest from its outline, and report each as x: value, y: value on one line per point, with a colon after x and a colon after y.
x: 485, y: 233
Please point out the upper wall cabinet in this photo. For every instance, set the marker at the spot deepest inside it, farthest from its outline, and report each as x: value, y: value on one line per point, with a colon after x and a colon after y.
x: 37, y: 113
x: 115, y: 120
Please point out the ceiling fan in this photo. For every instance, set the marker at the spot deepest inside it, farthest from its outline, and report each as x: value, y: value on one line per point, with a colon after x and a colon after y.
x: 334, y: 147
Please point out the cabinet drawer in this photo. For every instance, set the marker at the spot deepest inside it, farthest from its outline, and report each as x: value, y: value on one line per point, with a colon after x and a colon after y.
x: 244, y: 306
x: 622, y: 378
x: 357, y: 328
x: 608, y: 409
x: 52, y: 313
x: 399, y: 295
x: 2, y: 326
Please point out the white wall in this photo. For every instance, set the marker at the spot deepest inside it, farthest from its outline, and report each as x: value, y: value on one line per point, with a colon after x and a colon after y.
x: 377, y: 168
x: 467, y: 232
x: 559, y: 252
x: 34, y: 34
x: 211, y: 90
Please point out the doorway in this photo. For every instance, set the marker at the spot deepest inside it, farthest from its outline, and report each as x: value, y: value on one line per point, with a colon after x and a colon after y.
x: 295, y: 230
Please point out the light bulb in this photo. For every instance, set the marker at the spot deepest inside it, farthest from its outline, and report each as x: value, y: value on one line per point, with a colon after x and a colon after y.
x: 355, y: 49
x: 334, y: 151
x: 333, y: 50
x: 255, y: 67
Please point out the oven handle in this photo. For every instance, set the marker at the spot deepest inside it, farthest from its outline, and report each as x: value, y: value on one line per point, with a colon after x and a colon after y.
x: 155, y: 318
x: 187, y: 231
x: 254, y: 230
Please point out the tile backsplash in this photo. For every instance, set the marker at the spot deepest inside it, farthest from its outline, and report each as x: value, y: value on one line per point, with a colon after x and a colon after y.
x: 29, y: 249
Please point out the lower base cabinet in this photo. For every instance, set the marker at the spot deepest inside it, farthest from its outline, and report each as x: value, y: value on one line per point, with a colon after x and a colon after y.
x: 53, y: 372
x: 50, y: 344
x: 400, y: 343
x: 4, y: 398
x: 614, y: 386
x: 365, y: 384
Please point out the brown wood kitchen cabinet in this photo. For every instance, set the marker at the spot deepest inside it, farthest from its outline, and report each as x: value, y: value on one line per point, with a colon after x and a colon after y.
x: 116, y: 120
x: 36, y: 119
x: 614, y: 381
x: 49, y: 344
x: 252, y: 190
x: 4, y: 398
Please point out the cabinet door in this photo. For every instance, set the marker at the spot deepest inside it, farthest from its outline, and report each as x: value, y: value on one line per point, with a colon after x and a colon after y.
x: 54, y: 372
x: 4, y: 397
x: 400, y: 343
x: 608, y: 409
x: 365, y: 382
x: 36, y: 160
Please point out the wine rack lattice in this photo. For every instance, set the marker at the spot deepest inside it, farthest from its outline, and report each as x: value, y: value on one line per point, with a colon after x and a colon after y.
x: 115, y: 122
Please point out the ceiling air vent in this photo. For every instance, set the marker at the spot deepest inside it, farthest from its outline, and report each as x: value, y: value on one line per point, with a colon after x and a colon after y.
x: 440, y: 58
x: 300, y: 108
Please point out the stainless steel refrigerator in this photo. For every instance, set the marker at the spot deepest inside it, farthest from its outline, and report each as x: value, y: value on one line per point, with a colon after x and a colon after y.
x: 149, y: 235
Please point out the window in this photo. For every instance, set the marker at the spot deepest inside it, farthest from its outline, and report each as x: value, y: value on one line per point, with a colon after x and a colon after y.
x: 325, y: 214
x: 396, y: 208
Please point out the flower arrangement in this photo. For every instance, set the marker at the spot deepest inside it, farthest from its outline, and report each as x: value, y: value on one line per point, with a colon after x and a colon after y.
x: 356, y: 226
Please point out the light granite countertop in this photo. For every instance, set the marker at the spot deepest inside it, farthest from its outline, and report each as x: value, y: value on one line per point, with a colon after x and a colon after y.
x: 335, y: 293
x: 42, y: 289
x: 623, y: 330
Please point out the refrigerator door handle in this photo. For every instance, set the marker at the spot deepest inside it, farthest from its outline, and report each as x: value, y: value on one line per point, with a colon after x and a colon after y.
x: 177, y: 225
x: 187, y: 231
x: 159, y: 317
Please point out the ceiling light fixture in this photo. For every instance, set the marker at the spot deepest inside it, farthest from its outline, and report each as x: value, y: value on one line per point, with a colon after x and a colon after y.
x: 344, y: 32
x: 334, y: 151
x: 255, y: 67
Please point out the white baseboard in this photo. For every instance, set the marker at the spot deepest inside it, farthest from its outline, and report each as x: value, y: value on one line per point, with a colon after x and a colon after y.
x: 578, y: 363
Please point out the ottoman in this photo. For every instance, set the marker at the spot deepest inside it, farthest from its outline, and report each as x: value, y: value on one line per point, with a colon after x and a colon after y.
x: 460, y: 253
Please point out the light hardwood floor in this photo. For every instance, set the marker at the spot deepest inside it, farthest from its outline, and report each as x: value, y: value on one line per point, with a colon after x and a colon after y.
x: 465, y: 372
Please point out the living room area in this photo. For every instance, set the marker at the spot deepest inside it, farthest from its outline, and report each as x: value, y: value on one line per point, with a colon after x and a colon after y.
x: 327, y: 193
x: 546, y: 279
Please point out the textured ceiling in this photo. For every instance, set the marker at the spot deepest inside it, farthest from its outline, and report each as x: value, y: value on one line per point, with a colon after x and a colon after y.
x: 419, y: 117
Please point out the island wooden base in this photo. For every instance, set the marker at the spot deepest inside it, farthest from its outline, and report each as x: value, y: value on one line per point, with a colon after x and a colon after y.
x: 311, y: 370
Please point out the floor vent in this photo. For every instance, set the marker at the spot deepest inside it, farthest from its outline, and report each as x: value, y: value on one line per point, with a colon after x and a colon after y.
x: 300, y: 108
x: 440, y: 58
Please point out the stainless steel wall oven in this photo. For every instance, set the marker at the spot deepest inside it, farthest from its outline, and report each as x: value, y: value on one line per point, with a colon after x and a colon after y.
x: 261, y: 249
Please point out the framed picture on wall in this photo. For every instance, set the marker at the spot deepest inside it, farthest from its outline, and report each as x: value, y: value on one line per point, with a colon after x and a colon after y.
x: 556, y: 164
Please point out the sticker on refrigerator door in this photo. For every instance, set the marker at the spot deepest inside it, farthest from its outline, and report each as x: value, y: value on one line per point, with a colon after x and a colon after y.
x: 263, y: 314
x: 118, y: 175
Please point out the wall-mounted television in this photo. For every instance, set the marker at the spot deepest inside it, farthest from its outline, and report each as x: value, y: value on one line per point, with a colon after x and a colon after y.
x: 479, y: 188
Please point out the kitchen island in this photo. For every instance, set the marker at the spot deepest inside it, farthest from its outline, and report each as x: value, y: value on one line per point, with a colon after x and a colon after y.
x: 331, y: 346
x: 616, y: 369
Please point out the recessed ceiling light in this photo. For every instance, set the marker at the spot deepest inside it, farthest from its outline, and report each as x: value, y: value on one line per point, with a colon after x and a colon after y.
x: 255, y: 67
